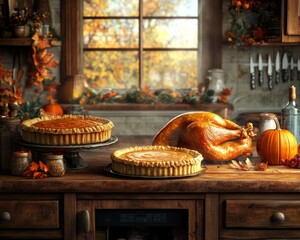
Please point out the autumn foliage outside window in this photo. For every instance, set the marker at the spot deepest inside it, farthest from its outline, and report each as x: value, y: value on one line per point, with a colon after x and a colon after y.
x: 142, y: 51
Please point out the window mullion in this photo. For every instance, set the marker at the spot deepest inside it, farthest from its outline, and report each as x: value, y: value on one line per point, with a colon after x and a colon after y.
x: 140, y: 54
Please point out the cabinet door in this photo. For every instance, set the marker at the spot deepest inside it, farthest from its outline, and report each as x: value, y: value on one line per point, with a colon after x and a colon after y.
x: 102, y: 219
x: 290, y: 12
x: 293, y: 17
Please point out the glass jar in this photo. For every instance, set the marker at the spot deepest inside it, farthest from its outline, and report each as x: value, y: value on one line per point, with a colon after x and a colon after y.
x: 20, y: 162
x: 56, y: 165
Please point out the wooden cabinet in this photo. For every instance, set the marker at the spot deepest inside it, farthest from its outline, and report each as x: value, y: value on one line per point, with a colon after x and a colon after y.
x: 261, y: 216
x: 31, y: 217
x: 290, y: 21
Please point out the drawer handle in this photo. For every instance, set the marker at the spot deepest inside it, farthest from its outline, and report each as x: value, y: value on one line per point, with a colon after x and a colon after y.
x: 278, y: 217
x: 4, y: 216
x: 84, y: 221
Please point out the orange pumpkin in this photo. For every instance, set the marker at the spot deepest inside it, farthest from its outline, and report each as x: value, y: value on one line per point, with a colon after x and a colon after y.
x: 275, y: 145
x: 53, y: 109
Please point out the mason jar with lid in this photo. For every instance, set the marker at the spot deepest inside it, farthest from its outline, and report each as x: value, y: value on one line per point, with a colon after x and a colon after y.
x: 56, y: 165
x: 20, y: 162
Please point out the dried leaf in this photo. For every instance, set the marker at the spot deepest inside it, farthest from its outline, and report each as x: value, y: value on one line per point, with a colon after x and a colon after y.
x: 260, y: 166
x: 249, y: 163
x: 27, y: 173
x: 235, y: 164
x: 241, y: 165
x: 33, y: 167
x: 43, y: 167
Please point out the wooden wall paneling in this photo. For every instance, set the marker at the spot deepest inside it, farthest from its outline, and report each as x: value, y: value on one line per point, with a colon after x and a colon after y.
x: 210, y: 38
x: 71, y: 57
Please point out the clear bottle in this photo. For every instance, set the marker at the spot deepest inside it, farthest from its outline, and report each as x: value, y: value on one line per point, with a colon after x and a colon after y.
x: 291, y: 114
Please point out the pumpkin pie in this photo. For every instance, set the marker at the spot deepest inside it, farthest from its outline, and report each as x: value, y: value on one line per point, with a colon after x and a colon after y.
x: 66, y: 130
x: 156, y: 161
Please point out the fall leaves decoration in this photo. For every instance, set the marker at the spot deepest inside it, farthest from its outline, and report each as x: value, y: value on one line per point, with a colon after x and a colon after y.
x: 251, y: 21
x: 247, y: 165
x: 148, y: 96
x: 36, y: 170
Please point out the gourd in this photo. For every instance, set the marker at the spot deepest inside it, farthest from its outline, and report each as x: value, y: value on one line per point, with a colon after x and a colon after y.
x: 276, y: 145
x: 53, y: 109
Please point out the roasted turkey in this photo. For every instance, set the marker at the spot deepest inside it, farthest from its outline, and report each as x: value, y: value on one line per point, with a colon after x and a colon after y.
x: 214, y: 137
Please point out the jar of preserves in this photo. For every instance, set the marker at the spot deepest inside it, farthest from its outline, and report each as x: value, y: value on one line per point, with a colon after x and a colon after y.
x: 56, y: 165
x: 20, y: 162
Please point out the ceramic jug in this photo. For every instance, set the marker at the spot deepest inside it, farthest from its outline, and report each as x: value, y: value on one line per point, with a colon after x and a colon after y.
x: 267, y: 121
x: 216, y: 79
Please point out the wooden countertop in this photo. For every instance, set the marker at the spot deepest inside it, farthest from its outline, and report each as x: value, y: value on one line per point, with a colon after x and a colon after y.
x: 93, y: 179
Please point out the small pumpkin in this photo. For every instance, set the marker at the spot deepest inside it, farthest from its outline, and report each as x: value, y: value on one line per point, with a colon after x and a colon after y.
x: 53, y: 109
x: 275, y: 145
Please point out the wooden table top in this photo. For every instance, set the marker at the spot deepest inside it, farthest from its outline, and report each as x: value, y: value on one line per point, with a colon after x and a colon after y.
x: 93, y: 179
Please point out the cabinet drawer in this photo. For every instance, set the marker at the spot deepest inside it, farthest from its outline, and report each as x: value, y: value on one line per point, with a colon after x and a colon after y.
x: 29, y: 214
x: 262, y: 214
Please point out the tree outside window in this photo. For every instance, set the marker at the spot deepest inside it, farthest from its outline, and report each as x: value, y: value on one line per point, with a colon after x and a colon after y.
x: 142, y: 43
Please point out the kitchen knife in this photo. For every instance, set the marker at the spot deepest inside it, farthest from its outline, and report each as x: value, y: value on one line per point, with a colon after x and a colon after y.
x: 252, y: 74
x: 293, y: 65
x: 277, y: 68
x: 260, y: 70
x: 285, y: 65
x: 270, y: 73
x: 298, y: 69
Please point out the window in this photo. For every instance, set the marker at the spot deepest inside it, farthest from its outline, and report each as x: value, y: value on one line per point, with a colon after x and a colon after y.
x: 142, y: 48
x: 140, y: 42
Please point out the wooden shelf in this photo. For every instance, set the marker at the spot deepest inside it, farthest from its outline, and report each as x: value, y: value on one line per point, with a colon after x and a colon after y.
x: 21, y: 42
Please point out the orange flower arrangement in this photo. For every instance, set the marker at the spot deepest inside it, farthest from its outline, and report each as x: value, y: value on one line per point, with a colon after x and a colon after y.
x: 250, y: 20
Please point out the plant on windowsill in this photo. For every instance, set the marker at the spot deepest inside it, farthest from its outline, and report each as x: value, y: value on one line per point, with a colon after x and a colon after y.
x: 135, y: 95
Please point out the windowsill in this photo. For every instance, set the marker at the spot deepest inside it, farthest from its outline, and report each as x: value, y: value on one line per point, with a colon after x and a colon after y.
x: 137, y: 107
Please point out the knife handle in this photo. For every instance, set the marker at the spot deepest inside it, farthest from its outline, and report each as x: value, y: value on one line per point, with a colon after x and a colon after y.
x: 252, y: 81
x: 270, y: 82
x: 285, y: 76
x: 277, y: 77
x: 260, y: 78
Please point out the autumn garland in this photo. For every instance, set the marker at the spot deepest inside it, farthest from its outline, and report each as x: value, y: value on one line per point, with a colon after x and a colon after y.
x: 148, y: 96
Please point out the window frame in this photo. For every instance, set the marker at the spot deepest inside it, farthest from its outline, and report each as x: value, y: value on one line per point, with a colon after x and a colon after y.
x: 210, y: 44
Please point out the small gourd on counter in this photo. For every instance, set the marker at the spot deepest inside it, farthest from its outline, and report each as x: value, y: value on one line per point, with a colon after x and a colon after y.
x: 276, y: 145
x: 53, y: 109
